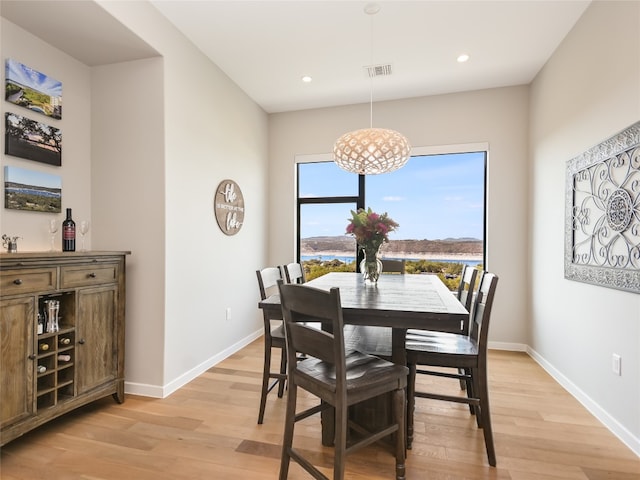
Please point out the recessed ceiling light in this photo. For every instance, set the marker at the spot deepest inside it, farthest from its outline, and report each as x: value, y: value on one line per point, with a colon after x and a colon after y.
x: 463, y: 58
x: 306, y: 78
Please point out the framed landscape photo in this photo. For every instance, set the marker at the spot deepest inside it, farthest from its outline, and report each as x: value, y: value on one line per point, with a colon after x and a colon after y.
x: 30, y: 190
x: 31, y: 89
x: 602, y: 217
x: 26, y: 138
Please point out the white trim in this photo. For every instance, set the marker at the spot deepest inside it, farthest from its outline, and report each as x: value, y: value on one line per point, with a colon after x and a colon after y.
x: 158, y: 391
x: 511, y: 347
x: 602, y: 415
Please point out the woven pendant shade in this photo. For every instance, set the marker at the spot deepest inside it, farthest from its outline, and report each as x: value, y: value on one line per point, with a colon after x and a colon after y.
x: 371, y: 151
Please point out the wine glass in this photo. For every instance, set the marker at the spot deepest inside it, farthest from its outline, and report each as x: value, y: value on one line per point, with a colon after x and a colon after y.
x: 53, y: 229
x: 84, y: 228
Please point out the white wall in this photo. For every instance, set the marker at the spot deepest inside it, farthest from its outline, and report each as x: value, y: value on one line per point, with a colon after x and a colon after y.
x: 497, y: 117
x: 212, y: 131
x: 147, y: 143
x: 128, y: 179
x: 75, y: 171
x: 587, y: 92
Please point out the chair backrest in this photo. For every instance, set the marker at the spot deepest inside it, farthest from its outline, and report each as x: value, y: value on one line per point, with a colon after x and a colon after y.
x: 467, y: 285
x: 479, y: 329
x: 294, y: 273
x: 268, y: 281
x: 301, y: 305
x: 392, y: 266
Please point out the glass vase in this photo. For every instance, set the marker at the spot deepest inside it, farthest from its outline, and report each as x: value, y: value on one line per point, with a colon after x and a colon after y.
x: 371, y: 266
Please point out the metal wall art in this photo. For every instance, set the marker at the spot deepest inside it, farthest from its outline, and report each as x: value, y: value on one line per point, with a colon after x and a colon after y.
x: 229, y: 207
x: 602, y: 217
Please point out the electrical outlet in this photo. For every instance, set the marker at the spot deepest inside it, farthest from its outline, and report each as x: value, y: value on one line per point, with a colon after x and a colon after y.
x: 616, y: 366
x: 228, y: 313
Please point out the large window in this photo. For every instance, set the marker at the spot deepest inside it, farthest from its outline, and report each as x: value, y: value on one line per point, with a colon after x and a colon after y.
x: 438, y: 200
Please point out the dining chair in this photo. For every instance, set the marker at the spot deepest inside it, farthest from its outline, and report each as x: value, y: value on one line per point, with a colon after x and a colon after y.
x: 467, y: 352
x: 464, y: 293
x: 274, y: 338
x: 392, y: 266
x: 337, y: 376
x: 294, y: 273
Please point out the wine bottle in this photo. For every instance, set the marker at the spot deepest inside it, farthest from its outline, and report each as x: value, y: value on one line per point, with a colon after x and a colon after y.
x: 65, y: 341
x: 64, y: 358
x: 44, y: 347
x: 42, y: 369
x: 68, y: 233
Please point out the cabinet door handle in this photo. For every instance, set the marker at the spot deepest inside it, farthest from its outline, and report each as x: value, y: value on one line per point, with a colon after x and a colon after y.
x: 92, y: 275
x: 18, y: 281
x: 32, y: 356
x: 81, y: 341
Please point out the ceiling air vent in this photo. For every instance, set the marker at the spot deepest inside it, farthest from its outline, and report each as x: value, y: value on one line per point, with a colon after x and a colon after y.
x: 378, y: 70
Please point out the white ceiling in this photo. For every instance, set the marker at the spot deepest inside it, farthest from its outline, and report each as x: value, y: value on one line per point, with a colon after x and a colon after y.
x: 267, y: 46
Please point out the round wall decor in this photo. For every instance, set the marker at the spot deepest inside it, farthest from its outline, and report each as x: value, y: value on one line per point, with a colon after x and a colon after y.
x: 228, y: 205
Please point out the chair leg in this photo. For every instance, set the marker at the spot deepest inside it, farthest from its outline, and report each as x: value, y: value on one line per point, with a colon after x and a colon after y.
x: 483, y: 394
x: 340, y: 442
x: 469, y: 388
x: 289, y: 423
x: 265, y: 382
x: 411, y: 403
x: 399, y: 417
x: 283, y: 371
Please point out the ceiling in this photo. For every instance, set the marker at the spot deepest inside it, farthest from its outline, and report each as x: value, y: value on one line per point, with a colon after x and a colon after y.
x: 265, y: 46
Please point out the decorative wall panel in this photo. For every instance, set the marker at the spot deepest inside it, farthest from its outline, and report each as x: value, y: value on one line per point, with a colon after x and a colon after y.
x: 602, y: 229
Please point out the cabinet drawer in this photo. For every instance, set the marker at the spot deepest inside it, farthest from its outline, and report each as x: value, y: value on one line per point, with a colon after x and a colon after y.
x: 13, y: 282
x: 83, y: 275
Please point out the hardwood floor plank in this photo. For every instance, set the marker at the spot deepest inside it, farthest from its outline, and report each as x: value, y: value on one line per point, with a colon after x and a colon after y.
x: 208, y: 429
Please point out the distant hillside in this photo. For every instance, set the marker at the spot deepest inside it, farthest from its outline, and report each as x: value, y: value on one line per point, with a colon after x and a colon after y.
x: 346, y: 244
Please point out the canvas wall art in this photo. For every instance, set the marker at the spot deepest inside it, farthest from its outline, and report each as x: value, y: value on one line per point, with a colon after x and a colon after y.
x: 30, y: 190
x: 31, y: 89
x: 26, y: 138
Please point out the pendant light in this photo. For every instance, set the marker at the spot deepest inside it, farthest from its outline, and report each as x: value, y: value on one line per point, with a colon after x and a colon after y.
x: 371, y: 151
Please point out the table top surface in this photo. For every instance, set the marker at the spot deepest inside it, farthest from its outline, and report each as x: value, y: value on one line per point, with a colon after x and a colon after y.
x: 404, y: 301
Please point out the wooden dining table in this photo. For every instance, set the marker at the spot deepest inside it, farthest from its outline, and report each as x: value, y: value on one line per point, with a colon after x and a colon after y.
x: 401, y: 302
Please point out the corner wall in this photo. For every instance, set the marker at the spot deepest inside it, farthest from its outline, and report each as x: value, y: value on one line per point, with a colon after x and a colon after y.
x: 588, y: 91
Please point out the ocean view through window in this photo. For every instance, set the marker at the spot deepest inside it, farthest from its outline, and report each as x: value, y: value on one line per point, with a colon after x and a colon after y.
x: 438, y: 201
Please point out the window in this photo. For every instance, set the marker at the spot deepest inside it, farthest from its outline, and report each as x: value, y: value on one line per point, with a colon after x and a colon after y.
x: 438, y: 200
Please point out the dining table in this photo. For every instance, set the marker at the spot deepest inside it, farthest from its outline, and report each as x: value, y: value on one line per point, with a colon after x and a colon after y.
x: 397, y: 301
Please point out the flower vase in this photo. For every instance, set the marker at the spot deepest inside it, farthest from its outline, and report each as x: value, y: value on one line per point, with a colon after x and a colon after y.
x: 371, y: 266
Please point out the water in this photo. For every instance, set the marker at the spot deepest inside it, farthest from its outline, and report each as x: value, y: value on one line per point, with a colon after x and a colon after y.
x: 349, y: 259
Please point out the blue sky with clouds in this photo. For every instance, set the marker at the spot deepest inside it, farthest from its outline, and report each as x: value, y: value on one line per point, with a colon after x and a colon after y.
x: 29, y: 77
x: 431, y: 197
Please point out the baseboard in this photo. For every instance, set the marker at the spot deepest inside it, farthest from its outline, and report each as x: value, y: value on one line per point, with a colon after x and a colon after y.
x: 158, y: 391
x: 596, y: 410
x: 511, y: 347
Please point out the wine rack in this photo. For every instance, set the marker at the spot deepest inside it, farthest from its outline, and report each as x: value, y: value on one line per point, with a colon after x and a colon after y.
x: 56, y: 382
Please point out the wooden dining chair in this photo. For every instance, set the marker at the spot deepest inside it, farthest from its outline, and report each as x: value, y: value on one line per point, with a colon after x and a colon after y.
x: 338, y: 377
x: 392, y: 266
x: 294, y: 273
x: 273, y: 338
x: 464, y: 352
x: 464, y: 293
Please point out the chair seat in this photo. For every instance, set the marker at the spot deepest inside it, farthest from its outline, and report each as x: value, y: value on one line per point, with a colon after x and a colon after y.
x: 363, y: 372
x: 441, y: 344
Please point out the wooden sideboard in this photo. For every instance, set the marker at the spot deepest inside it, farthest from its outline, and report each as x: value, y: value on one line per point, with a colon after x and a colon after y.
x: 45, y: 375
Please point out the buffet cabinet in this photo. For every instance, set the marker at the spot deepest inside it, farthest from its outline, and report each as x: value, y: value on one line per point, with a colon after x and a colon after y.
x: 50, y: 368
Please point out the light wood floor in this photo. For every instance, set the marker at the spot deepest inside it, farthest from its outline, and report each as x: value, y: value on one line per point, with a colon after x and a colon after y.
x: 208, y: 430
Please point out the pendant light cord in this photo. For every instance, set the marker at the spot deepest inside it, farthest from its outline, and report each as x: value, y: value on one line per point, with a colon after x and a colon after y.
x: 371, y: 69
